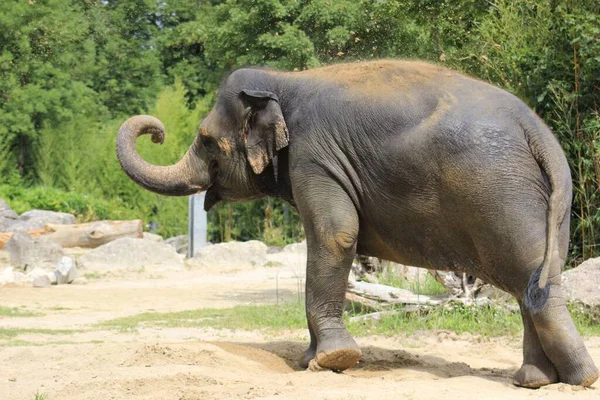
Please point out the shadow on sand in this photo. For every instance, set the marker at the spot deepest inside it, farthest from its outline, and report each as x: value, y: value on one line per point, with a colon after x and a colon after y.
x: 377, y: 360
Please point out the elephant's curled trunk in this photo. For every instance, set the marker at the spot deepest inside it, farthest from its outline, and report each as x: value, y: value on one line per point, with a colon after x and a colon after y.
x: 175, y: 180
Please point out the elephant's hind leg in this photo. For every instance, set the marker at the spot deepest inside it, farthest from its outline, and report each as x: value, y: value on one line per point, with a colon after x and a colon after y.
x: 562, y: 343
x: 537, y: 369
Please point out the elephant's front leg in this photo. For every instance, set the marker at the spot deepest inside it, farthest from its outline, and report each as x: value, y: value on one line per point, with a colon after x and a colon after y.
x: 331, y: 226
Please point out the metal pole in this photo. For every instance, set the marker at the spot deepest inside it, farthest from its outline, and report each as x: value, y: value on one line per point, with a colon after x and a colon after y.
x: 197, y: 223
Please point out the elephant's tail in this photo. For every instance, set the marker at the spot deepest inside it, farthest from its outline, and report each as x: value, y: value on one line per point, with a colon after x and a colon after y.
x: 553, y: 164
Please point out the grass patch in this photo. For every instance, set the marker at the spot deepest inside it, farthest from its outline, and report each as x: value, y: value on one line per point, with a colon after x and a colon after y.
x: 427, y: 285
x: 59, y: 308
x: 93, y: 275
x: 9, y: 333
x: 587, y: 322
x: 40, y: 396
x: 16, y: 312
x: 19, y: 343
x: 485, y: 321
x: 269, y: 318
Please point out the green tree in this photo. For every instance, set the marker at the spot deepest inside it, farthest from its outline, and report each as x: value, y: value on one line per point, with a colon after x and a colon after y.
x: 39, y: 43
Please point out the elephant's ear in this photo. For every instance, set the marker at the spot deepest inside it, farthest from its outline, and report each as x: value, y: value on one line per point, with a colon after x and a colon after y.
x: 265, y: 130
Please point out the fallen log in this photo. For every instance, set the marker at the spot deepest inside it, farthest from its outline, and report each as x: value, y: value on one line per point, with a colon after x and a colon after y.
x: 392, y: 295
x: 358, y: 303
x: 90, y: 235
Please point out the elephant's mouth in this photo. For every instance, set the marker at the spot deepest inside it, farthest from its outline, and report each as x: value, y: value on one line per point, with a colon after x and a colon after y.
x: 212, y: 193
x: 213, y: 171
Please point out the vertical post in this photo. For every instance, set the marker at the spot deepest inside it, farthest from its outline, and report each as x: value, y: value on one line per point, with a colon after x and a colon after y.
x: 197, y: 223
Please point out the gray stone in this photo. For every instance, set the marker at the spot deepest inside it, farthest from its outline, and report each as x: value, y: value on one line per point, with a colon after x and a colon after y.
x: 41, y: 281
x: 129, y: 254
x: 582, y: 284
x: 37, y: 272
x: 153, y: 237
x: 274, y: 249
x: 66, y: 271
x: 296, y: 248
x: 9, y: 275
x: 37, y: 219
x: 180, y: 243
x: 80, y: 281
x: 7, y: 212
x: 230, y: 256
x: 26, y: 252
x: 291, y: 256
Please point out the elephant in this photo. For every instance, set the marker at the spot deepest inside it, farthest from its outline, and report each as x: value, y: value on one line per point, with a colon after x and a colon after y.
x: 403, y: 160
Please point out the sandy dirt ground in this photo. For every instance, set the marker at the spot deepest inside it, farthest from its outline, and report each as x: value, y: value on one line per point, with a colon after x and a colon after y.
x: 205, y: 364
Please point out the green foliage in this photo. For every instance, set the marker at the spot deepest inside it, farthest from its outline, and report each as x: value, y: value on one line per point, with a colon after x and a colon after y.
x: 86, y: 207
x: 273, y: 221
x: 72, y: 72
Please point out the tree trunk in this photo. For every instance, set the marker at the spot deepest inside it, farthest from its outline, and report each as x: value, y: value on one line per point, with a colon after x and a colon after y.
x: 91, y: 235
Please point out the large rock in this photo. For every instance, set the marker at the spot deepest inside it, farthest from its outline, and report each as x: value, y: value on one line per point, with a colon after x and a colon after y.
x: 230, y: 256
x: 153, y: 237
x: 28, y: 253
x: 6, y: 211
x: 291, y: 256
x: 41, y: 281
x: 131, y: 254
x: 7, y: 216
x: 16, y: 278
x: 582, y: 284
x: 66, y: 271
x: 36, y: 219
x: 180, y: 243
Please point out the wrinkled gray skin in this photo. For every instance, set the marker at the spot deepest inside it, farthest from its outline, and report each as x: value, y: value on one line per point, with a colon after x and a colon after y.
x: 405, y: 161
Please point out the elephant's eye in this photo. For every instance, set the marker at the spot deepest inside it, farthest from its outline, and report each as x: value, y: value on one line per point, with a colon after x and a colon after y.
x: 209, y: 144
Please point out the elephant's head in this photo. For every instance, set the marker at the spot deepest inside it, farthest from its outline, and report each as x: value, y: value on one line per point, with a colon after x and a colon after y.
x: 238, y: 139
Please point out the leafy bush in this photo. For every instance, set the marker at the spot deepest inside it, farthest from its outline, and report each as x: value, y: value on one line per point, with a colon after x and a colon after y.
x: 84, y: 207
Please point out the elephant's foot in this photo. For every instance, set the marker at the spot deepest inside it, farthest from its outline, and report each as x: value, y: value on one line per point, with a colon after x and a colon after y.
x: 533, y: 376
x: 338, y: 352
x: 308, y: 355
x: 335, y: 353
x: 582, y: 373
x: 339, y: 359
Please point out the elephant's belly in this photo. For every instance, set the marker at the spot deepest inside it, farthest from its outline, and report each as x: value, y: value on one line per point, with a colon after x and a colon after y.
x: 416, y: 247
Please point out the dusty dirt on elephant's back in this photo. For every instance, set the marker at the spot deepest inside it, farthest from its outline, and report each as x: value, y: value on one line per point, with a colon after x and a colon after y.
x: 203, y: 364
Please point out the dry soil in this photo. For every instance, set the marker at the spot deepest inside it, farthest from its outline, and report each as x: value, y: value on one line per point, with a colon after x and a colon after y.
x: 205, y: 364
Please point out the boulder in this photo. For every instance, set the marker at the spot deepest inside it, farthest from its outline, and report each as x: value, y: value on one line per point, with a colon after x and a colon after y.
x: 9, y: 276
x: 37, y: 219
x: 27, y: 253
x: 180, y: 243
x: 6, y: 211
x: 274, y: 249
x: 129, y: 254
x: 291, y: 256
x: 41, y: 281
x: 153, y: 237
x: 7, y: 216
x: 582, y: 283
x: 66, y: 271
x: 230, y: 256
